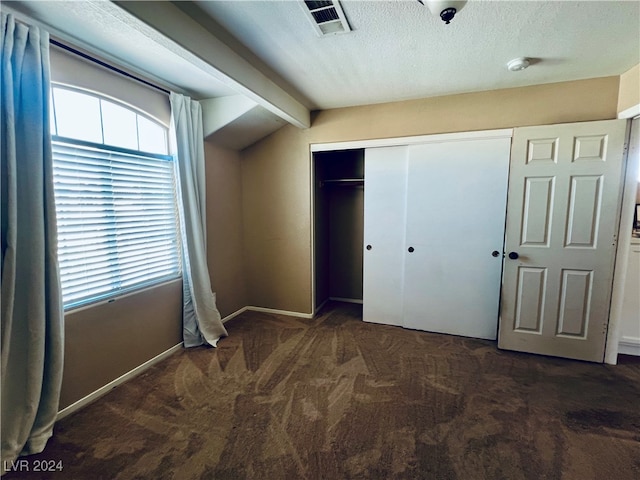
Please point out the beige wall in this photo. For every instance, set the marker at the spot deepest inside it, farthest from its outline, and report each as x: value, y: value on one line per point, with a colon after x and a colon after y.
x: 629, y: 93
x: 276, y: 171
x: 105, y: 341
x: 224, y: 228
x: 276, y: 214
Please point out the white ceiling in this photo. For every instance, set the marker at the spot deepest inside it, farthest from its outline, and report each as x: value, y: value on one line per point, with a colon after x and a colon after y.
x: 267, y: 51
x: 138, y: 43
x: 103, y: 28
x: 398, y: 50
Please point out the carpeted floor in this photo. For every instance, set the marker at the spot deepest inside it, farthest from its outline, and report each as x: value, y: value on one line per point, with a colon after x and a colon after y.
x: 336, y: 398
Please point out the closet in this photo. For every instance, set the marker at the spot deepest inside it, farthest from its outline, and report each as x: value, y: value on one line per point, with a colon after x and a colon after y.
x: 434, y: 230
x: 338, y: 228
x: 409, y: 230
x: 456, y: 233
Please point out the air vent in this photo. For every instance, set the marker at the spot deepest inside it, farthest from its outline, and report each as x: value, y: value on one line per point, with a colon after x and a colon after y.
x: 326, y: 16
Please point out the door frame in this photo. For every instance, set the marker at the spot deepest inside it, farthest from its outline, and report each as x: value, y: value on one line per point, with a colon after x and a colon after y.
x: 373, y: 143
x: 632, y: 167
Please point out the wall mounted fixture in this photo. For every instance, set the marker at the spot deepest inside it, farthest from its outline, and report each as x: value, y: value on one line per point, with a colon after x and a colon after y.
x: 445, y: 9
x: 518, y: 64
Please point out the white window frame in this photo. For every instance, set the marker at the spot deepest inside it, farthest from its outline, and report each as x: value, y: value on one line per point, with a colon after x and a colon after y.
x: 114, y: 156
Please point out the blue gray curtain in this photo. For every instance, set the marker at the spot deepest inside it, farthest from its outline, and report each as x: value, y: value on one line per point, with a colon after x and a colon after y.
x: 31, y: 312
x: 201, y: 319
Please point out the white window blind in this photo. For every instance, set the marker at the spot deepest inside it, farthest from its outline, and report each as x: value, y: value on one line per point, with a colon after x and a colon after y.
x: 117, y: 219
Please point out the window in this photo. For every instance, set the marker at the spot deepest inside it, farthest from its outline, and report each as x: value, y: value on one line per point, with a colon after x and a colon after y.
x: 115, y: 197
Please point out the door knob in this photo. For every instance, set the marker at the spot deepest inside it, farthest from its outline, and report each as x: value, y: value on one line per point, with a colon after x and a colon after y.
x: 368, y: 247
x: 411, y: 249
x: 495, y: 253
x: 513, y: 255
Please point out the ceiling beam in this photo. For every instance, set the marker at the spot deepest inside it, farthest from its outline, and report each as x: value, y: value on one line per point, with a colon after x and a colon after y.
x: 167, y: 20
x: 221, y: 111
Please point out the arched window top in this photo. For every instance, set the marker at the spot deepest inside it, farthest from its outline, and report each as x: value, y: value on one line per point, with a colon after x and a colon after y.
x: 89, y: 117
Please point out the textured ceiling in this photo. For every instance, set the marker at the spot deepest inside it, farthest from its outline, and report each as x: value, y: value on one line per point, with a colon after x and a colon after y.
x: 103, y: 28
x: 398, y: 50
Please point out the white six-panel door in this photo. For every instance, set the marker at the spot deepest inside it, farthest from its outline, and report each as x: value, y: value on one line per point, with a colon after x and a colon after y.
x: 562, y: 220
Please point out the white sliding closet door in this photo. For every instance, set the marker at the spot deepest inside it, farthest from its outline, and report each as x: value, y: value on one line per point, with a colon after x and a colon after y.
x: 385, y: 173
x: 456, y: 204
x: 434, y: 213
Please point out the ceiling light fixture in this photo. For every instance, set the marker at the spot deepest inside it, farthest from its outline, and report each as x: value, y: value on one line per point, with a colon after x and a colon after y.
x: 445, y: 9
x: 518, y: 64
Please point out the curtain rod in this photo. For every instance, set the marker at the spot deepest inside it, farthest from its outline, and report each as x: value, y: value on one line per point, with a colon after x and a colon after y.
x: 106, y: 65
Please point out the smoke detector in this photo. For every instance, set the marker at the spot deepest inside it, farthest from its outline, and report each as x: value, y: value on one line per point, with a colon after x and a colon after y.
x: 518, y: 64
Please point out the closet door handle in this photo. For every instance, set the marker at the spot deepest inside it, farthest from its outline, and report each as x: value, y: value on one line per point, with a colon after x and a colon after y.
x: 411, y: 249
x: 495, y: 253
x: 513, y: 255
x: 368, y: 247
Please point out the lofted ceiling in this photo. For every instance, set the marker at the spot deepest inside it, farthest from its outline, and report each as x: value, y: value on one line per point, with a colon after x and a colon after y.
x: 260, y: 64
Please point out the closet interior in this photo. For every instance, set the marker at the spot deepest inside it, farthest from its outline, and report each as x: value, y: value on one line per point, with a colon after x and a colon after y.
x: 339, y: 225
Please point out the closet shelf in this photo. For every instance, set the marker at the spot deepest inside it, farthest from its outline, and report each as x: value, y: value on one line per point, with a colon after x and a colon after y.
x: 343, y: 182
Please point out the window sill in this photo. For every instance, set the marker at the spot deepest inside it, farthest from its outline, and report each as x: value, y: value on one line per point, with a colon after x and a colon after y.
x: 115, y: 298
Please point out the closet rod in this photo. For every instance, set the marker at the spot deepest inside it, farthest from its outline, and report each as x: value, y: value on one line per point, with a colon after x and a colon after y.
x: 106, y: 65
x: 343, y: 182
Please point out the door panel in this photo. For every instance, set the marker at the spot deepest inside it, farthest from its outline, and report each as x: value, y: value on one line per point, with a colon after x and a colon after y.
x: 535, y: 222
x: 530, y: 307
x: 562, y: 218
x: 385, y: 173
x: 584, y: 211
x: 575, y: 299
x: 456, y: 202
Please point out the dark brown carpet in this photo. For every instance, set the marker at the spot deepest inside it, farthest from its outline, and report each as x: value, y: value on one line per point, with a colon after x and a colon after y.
x: 336, y: 398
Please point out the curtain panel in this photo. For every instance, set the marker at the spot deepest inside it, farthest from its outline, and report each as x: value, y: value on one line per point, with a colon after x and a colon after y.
x: 201, y: 319
x: 31, y: 312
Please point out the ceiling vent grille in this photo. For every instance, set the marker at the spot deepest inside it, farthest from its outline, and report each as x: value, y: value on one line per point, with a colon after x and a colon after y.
x: 326, y: 16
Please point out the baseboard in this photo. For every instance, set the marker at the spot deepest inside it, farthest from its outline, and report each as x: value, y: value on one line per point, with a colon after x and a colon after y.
x: 320, y: 307
x: 269, y: 310
x: 280, y: 312
x: 83, y: 402
x: 234, y: 314
x: 629, y: 346
x: 346, y: 300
